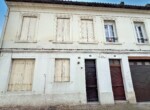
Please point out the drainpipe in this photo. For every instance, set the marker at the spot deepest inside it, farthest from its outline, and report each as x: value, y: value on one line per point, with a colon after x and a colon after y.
x: 4, y: 28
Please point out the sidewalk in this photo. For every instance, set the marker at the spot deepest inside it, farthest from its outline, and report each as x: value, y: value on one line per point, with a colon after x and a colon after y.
x: 85, y: 107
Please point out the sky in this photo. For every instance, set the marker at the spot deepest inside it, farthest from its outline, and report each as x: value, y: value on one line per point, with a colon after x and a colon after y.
x: 3, y: 7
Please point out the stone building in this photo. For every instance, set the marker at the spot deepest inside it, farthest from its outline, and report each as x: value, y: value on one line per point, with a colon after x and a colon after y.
x: 67, y: 52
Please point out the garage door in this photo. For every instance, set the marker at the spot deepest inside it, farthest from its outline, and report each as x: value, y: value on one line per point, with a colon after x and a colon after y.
x: 140, y: 71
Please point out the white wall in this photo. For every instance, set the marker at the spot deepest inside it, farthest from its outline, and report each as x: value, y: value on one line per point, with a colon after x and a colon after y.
x: 45, y: 90
x: 74, y: 92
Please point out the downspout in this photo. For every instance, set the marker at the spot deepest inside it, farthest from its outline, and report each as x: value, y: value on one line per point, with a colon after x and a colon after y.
x: 4, y: 28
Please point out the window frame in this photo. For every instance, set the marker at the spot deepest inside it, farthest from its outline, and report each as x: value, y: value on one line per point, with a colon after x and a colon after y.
x: 61, y: 73
x: 139, y: 38
x: 70, y: 29
x: 87, y: 39
x: 10, y: 73
x: 37, y: 16
x: 113, y: 24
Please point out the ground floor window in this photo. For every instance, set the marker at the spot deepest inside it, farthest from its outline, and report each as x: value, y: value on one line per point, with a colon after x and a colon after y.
x: 21, y: 76
x: 62, y: 70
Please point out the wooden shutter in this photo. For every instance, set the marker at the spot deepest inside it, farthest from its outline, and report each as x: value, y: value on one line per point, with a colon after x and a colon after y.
x: 16, y: 75
x: 28, y: 29
x: 62, y: 70
x: 28, y: 75
x: 90, y: 31
x: 63, y: 30
x: 32, y: 27
x: 24, y: 31
x: 21, y: 75
x: 87, y: 34
x: 66, y: 30
x: 65, y: 70
x: 58, y: 70
x: 84, y: 36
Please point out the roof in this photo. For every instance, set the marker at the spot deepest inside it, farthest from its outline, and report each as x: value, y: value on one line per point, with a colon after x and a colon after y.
x: 90, y: 4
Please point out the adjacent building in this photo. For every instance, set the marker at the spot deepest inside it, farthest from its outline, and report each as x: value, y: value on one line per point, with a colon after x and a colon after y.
x: 67, y: 52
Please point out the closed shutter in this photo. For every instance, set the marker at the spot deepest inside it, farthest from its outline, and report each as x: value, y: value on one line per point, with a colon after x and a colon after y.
x: 21, y: 75
x: 28, y: 75
x: 58, y: 70
x: 65, y: 70
x: 32, y: 27
x: 63, y: 30
x: 62, y: 70
x: 16, y: 75
x: 84, y: 36
x: 90, y: 31
x: 24, y: 31
x: 66, y: 30
x: 28, y: 29
x: 87, y: 31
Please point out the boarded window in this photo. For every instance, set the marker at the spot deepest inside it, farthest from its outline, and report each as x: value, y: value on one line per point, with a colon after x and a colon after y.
x: 63, y: 30
x: 62, y: 70
x: 87, y: 31
x: 28, y: 29
x: 21, y: 75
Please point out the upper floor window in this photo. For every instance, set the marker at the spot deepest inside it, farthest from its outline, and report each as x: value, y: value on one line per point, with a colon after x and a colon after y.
x: 140, y: 32
x: 87, y: 30
x: 110, y: 31
x: 28, y: 28
x: 63, y: 30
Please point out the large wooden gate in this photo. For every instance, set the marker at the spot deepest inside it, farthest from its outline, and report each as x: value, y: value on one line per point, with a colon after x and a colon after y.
x: 91, y: 81
x: 116, y: 79
x: 140, y: 71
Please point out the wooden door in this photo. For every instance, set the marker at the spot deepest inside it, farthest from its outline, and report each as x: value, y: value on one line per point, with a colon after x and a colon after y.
x: 116, y: 79
x: 140, y: 71
x: 91, y: 81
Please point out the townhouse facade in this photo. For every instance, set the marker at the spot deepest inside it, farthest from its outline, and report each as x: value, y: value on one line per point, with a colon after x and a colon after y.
x: 65, y: 52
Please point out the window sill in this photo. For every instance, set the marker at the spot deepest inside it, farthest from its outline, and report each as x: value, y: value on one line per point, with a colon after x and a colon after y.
x: 142, y: 44
x: 61, y: 82
x: 25, y: 41
x: 112, y: 43
x: 62, y: 42
x: 88, y: 42
x: 19, y: 92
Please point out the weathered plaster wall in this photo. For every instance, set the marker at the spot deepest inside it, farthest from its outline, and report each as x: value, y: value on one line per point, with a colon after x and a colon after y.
x: 46, y: 29
x: 46, y: 91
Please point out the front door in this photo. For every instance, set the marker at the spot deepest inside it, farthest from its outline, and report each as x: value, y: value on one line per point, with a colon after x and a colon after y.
x: 116, y: 79
x: 91, y: 81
